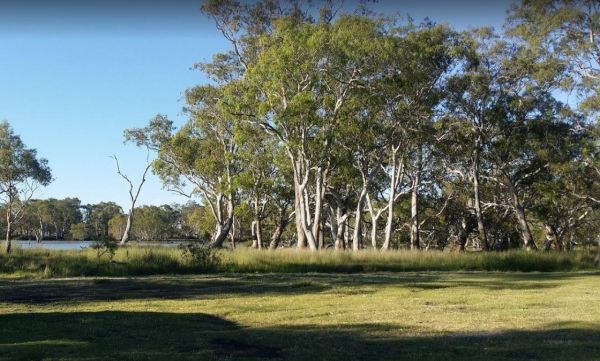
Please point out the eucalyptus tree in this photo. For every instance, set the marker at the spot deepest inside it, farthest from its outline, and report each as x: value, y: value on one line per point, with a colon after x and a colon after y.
x: 360, y: 145
x: 500, y: 109
x: 302, y: 79
x: 79, y: 232
x: 67, y: 212
x: 472, y: 98
x: 419, y: 60
x: 97, y: 217
x: 243, y: 25
x: 344, y: 192
x: 134, y: 189
x: 257, y: 151
x: 301, y: 71
x: 40, y: 213
x: 50, y: 217
x: 203, y: 153
x: 530, y: 139
x: 196, y: 221
x: 586, y: 184
x: 155, y: 223
x: 565, y: 34
x: 21, y: 174
x: 281, y: 198
x: 556, y: 209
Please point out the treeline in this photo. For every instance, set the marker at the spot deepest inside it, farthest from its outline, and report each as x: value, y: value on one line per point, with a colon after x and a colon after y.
x: 344, y: 129
x: 362, y: 131
x: 68, y: 219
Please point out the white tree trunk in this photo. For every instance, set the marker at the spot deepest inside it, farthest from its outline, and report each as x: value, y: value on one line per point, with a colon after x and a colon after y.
x: 521, y: 219
x: 306, y: 227
x: 341, y: 220
x: 8, y: 237
x: 301, y: 237
x: 316, y: 222
x: 9, y: 224
x: 390, y: 216
x: 415, y: 239
x: 127, y: 232
x: 477, y: 200
x: 396, y: 175
x: 358, y: 218
x: 223, y: 224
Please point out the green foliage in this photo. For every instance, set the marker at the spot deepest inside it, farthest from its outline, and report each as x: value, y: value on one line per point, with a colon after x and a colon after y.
x: 105, y: 247
x: 21, y: 173
x: 18, y: 163
x: 201, y: 254
x: 349, y: 121
x: 153, y: 223
x: 97, y: 216
x: 116, y: 226
x: 196, y: 222
x: 564, y: 36
x: 79, y: 232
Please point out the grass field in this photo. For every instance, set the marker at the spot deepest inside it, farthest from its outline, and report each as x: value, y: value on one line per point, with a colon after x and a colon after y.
x: 143, y: 261
x: 383, y: 316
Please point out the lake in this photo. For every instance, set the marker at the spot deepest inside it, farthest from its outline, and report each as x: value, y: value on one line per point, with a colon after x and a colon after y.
x: 75, y: 245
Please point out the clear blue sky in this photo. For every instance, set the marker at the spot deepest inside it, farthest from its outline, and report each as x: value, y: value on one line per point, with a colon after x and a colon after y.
x: 74, y: 75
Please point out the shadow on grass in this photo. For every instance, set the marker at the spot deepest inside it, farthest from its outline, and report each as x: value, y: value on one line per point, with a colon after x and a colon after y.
x: 81, y: 290
x: 172, y: 336
x: 225, y: 286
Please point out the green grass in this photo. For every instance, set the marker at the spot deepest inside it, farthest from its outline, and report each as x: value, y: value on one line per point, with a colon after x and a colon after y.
x: 293, y: 261
x: 139, y: 261
x: 384, y: 316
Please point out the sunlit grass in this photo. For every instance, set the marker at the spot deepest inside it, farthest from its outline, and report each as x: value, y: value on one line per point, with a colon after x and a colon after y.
x: 132, y: 261
x: 386, y: 316
x: 289, y: 260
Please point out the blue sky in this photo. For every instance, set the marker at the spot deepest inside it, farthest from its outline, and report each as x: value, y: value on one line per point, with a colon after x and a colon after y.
x: 73, y: 77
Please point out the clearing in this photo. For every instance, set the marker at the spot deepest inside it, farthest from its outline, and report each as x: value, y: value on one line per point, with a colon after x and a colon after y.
x: 381, y: 316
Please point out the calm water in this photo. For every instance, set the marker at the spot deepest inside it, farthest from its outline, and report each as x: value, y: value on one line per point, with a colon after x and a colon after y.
x: 75, y: 245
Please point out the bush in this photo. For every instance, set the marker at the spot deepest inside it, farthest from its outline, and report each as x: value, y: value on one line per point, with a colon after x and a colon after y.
x: 105, y: 247
x: 201, y: 255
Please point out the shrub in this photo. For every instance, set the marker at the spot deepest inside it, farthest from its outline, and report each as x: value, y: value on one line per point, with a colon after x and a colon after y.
x: 201, y: 255
x: 105, y: 247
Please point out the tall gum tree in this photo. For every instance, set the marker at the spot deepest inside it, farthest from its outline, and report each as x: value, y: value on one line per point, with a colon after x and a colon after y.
x: 522, y: 152
x: 470, y: 99
x: 199, y: 159
x: 134, y: 193
x: 21, y: 174
x: 565, y: 35
x: 243, y: 25
x: 418, y: 61
x: 303, y: 79
x: 303, y: 70
x: 363, y: 139
x: 205, y: 152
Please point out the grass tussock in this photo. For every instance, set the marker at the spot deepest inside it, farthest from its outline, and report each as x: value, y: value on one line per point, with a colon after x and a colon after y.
x: 141, y: 261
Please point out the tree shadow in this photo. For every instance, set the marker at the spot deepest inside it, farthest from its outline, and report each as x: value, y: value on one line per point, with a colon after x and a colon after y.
x: 240, y: 285
x: 81, y: 290
x: 196, y: 336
